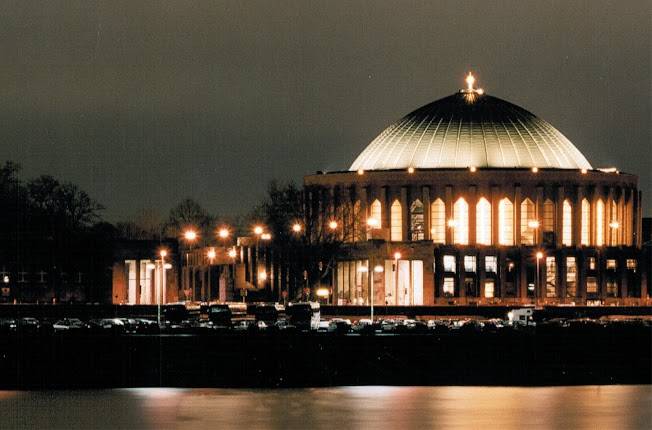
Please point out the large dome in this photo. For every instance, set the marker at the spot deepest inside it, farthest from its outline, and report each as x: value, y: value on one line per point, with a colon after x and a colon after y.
x: 466, y: 129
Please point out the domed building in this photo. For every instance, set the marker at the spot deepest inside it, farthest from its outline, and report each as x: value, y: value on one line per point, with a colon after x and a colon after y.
x: 473, y: 200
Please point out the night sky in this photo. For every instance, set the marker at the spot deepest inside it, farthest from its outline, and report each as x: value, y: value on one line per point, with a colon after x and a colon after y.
x: 145, y: 103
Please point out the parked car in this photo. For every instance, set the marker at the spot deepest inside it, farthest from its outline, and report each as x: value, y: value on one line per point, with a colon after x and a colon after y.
x: 339, y: 325
x: 69, y: 324
x: 220, y: 315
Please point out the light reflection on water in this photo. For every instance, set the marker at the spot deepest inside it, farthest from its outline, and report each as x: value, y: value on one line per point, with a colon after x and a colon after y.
x: 339, y: 408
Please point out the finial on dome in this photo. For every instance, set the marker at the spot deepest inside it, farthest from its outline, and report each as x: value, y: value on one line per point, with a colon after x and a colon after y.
x: 470, y: 89
x: 470, y: 80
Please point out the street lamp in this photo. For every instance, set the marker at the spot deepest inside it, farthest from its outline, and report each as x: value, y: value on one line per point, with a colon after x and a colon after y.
x: 397, y: 256
x: 539, y: 256
x: 296, y: 227
x: 211, y: 256
x: 223, y: 233
x: 159, y: 297
x: 258, y: 230
x: 190, y: 237
x: 377, y: 269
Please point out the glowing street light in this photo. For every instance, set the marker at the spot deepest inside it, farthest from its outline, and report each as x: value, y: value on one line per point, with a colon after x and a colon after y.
x: 258, y: 230
x: 296, y: 227
x: 332, y: 225
x: 397, y: 255
x: 223, y: 233
x: 473, y: 168
x: 190, y: 235
x: 360, y: 172
x: 539, y: 256
x: 410, y: 170
x: 232, y: 253
x: 211, y: 256
x: 535, y: 169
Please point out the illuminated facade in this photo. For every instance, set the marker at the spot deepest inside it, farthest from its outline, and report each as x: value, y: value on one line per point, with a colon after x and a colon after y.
x: 468, y: 189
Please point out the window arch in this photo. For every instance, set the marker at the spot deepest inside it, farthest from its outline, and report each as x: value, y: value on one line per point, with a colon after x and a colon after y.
x: 586, y: 222
x: 461, y: 222
x: 548, y: 216
x: 416, y: 220
x: 599, y: 223
x: 614, y: 225
x: 505, y: 222
x: 483, y: 222
x: 376, y: 213
x: 528, y: 217
x: 396, y: 222
x: 567, y: 224
x: 438, y: 221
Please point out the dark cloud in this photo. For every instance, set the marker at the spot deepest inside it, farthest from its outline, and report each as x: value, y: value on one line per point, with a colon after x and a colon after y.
x: 143, y: 103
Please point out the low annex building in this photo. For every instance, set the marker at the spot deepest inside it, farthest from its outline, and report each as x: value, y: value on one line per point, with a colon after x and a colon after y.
x: 474, y: 200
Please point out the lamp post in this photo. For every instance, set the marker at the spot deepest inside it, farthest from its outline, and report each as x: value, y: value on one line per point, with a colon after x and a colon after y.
x: 397, y: 256
x: 539, y: 256
x: 190, y: 236
x: 211, y: 257
x: 377, y: 269
x: 159, y: 297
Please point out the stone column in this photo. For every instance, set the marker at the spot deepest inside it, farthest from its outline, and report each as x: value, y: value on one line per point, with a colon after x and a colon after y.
x: 473, y: 202
x: 577, y: 216
x: 449, y: 212
x: 559, y: 216
x: 405, y: 213
x: 495, y: 190
x: 538, y: 233
x: 384, y: 205
x: 517, y: 215
x: 425, y: 193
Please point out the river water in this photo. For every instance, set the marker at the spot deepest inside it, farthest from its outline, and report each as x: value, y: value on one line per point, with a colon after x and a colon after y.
x: 338, y: 408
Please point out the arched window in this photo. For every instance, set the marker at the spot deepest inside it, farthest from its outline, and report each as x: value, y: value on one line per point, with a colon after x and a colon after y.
x: 396, y: 222
x: 567, y: 224
x: 461, y: 222
x: 376, y: 214
x: 614, y: 224
x: 548, y: 215
x: 586, y: 222
x: 483, y: 222
x: 599, y: 223
x: 438, y: 221
x: 505, y: 222
x: 528, y: 222
x: 416, y: 220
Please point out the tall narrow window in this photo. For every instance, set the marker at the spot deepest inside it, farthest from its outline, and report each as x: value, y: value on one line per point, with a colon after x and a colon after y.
x: 376, y: 213
x: 461, y: 222
x: 571, y: 277
x: 548, y: 216
x: 567, y: 224
x: 586, y: 222
x: 483, y: 222
x: 528, y: 222
x: 438, y: 221
x: 551, y: 277
x: 505, y: 222
x: 416, y: 220
x: 614, y: 225
x: 396, y: 222
x: 599, y: 223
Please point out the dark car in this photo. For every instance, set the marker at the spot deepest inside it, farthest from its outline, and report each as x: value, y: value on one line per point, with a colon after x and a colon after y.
x: 267, y: 313
x: 220, y: 315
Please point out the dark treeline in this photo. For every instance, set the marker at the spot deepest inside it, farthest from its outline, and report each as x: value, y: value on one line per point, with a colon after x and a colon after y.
x: 52, y: 240
x: 56, y: 247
